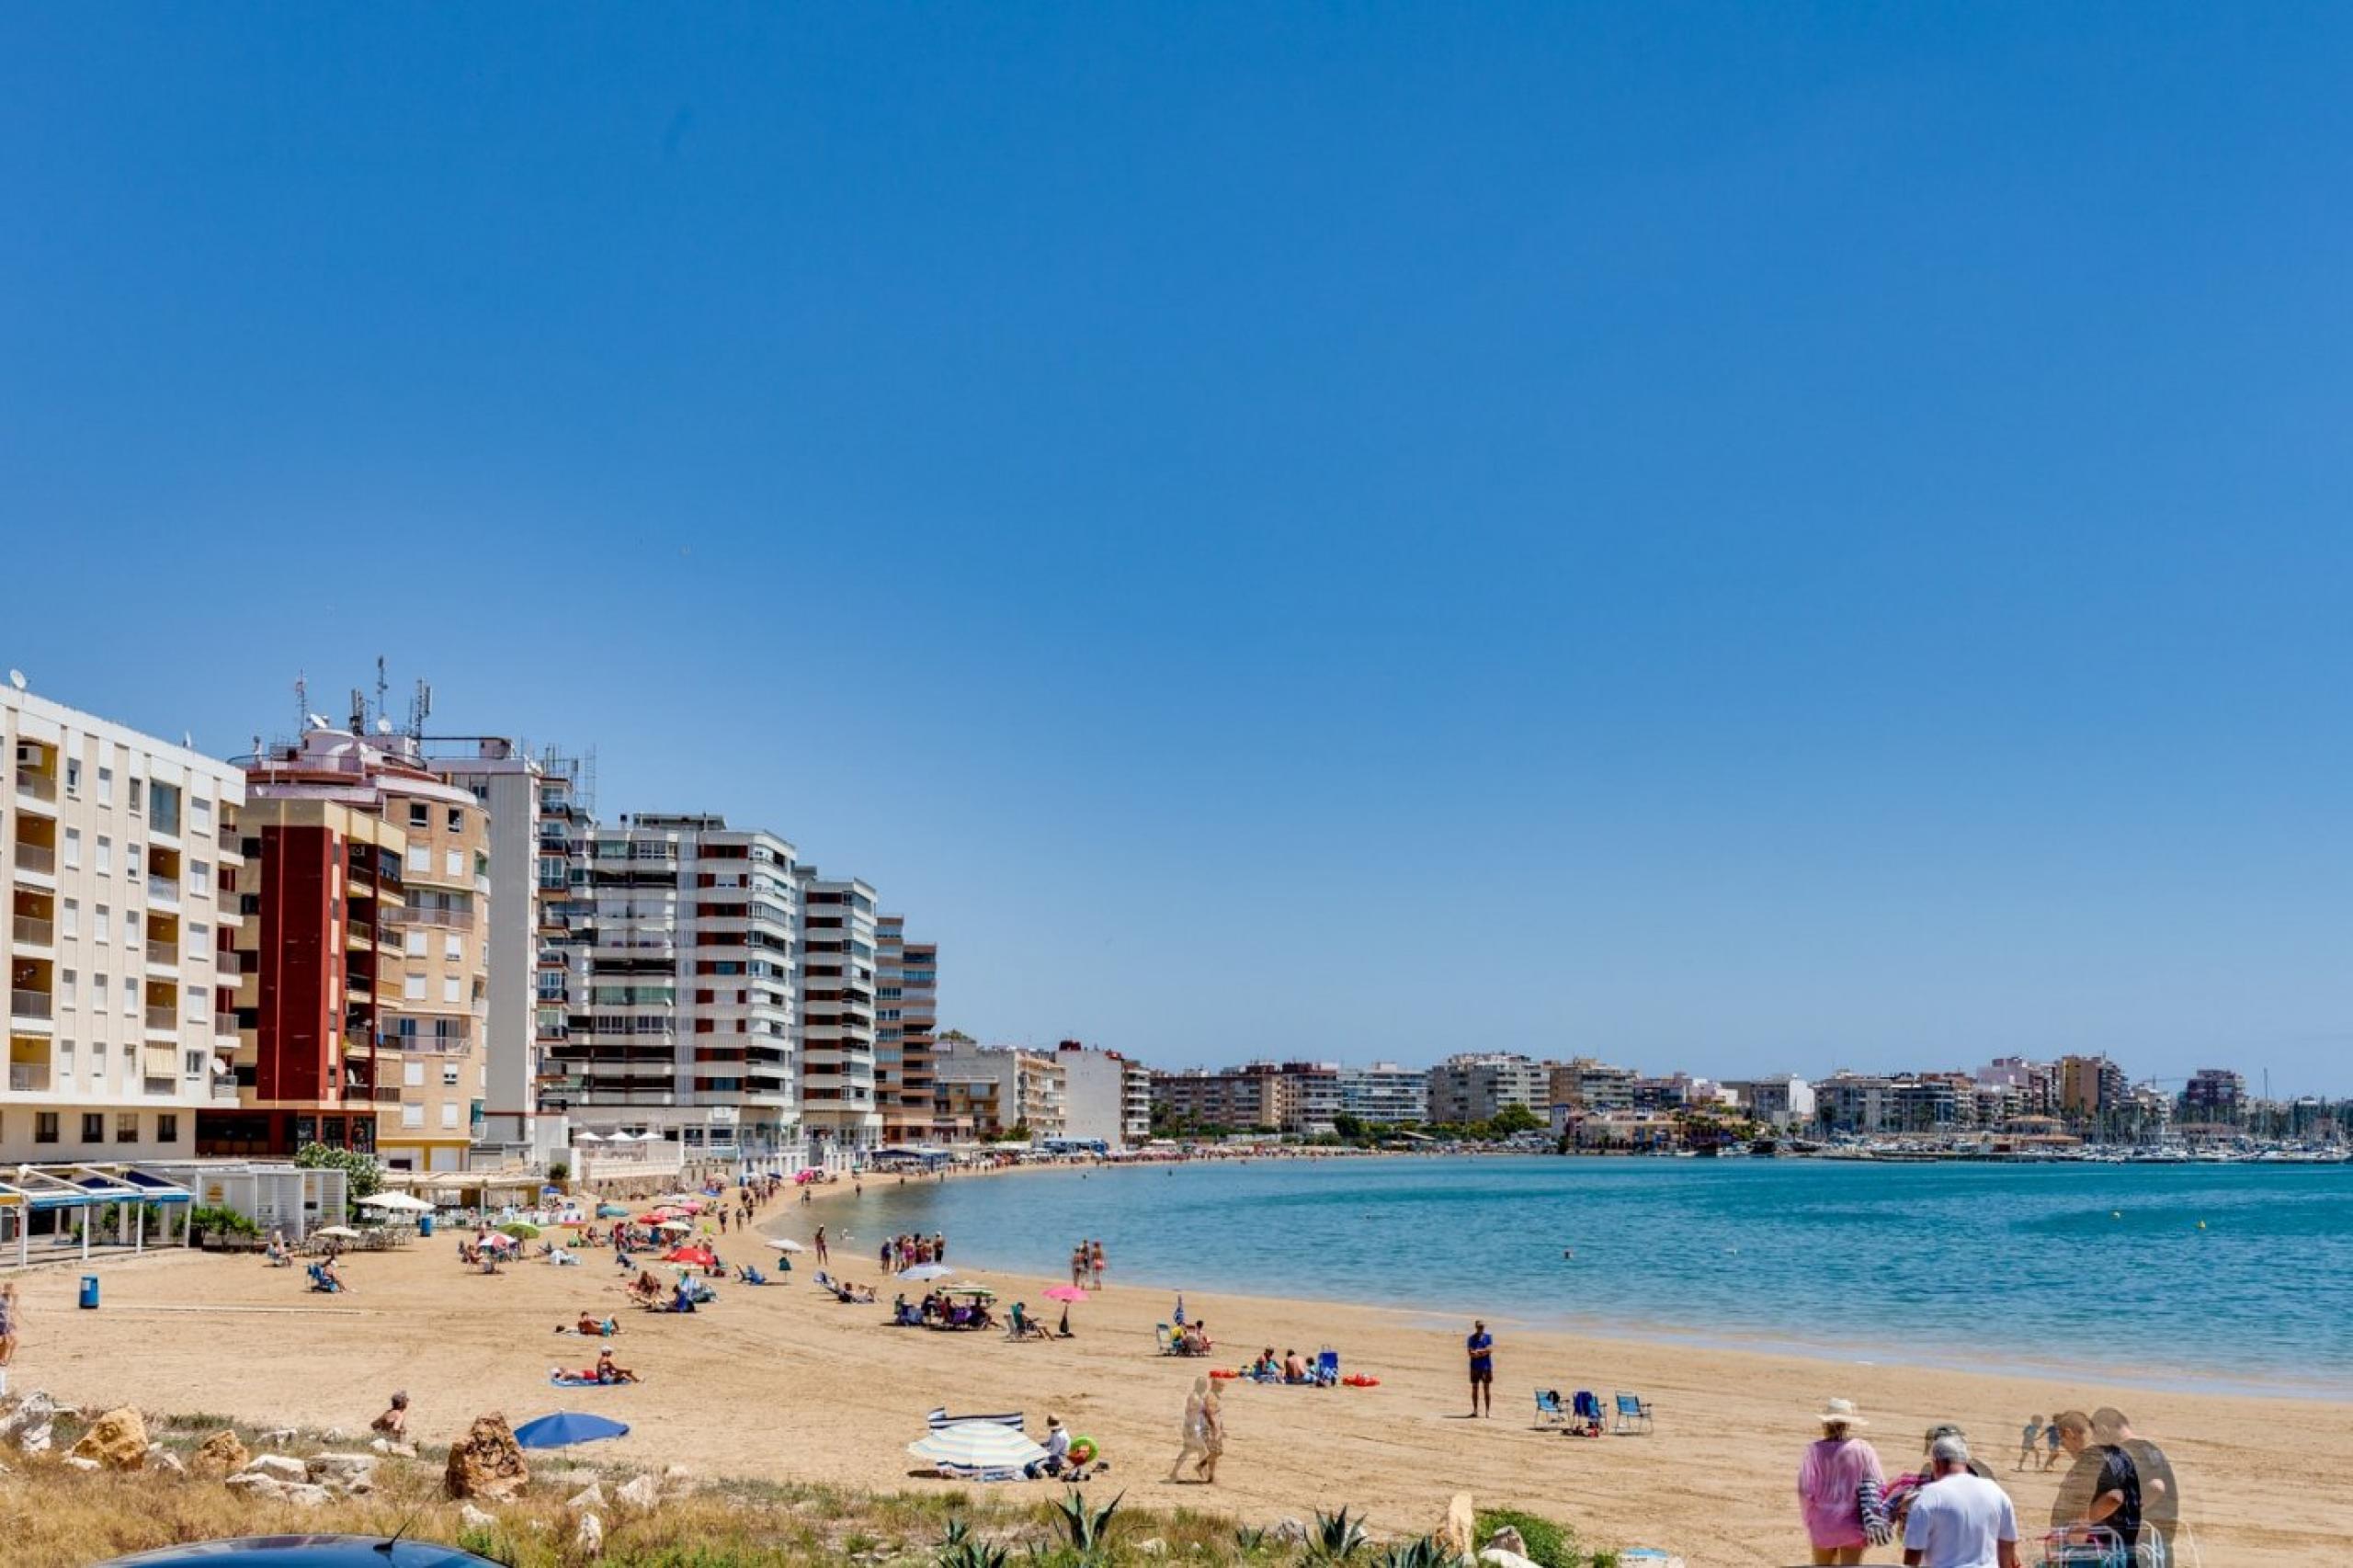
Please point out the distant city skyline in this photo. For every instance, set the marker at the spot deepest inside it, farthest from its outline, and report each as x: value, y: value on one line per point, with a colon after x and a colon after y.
x: 1733, y: 540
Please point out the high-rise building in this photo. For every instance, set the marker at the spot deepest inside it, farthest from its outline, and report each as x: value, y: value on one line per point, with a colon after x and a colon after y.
x: 1385, y: 1094
x: 115, y: 948
x: 1106, y: 1096
x: 2214, y: 1095
x: 906, y: 994
x: 839, y: 1109
x: 676, y: 950
x: 2090, y: 1087
x: 404, y: 971
x: 1474, y: 1087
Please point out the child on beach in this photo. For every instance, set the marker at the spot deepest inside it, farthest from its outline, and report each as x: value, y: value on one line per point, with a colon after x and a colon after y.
x: 2030, y: 1438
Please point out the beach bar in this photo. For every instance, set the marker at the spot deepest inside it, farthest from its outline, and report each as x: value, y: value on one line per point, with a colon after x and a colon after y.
x: 67, y: 1206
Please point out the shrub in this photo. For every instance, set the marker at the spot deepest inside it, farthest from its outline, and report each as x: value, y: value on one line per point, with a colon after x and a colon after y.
x: 1550, y: 1545
x: 362, y: 1176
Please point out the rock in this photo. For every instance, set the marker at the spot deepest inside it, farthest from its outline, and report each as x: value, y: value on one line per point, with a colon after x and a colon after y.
x: 341, y: 1470
x: 280, y: 1434
x: 1152, y: 1546
x: 678, y: 1475
x: 1508, y: 1539
x: 1288, y: 1532
x: 1457, y: 1534
x: 589, y: 1496
x: 641, y: 1493
x: 257, y: 1484
x: 1499, y: 1558
x: 83, y: 1461
x: 221, y: 1453
x: 486, y: 1463
x: 37, y: 1440
x: 283, y: 1468
x: 589, y: 1537
x: 308, y: 1497
x: 474, y: 1518
x: 333, y: 1434
x: 117, y: 1439
x: 160, y: 1458
x: 29, y: 1415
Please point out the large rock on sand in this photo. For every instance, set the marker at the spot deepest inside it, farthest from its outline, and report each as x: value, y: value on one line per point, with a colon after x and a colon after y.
x: 487, y: 1461
x: 117, y: 1439
x: 1456, y: 1536
x: 27, y: 1423
x: 223, y: 1453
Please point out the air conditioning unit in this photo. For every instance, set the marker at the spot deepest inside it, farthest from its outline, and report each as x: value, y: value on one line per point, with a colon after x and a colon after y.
x: 28, y: 755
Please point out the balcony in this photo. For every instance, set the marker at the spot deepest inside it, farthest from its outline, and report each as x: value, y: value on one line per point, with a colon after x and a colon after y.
x: 39, y: 859
x: 224, y: 1091
x: 28, y: 1004
x: 159, y: 1086
x: 31, y: 928
x: 403, y: 914
x: 165, y: 953
x: 163, y: 889
x: 37, y: 787
x: 224, y: 1025
x: 164, y: 1017
x: 26, y: 1077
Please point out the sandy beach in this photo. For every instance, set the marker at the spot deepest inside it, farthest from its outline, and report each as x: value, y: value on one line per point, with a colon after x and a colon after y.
x: 786, y: 1383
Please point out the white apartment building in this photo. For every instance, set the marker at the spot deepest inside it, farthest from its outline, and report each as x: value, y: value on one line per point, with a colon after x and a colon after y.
x: 1474, y: 1087
x: 840, y: 1109
x: 678, y: 950
x: 1105, y: 1095
x: 1385, y: 1094
x: 115, y: 842
x: 1783, y: 1101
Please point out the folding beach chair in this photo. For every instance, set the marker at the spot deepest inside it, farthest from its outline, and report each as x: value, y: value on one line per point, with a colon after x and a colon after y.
x: 1328, y: 1367
x: 1585, y: 1411
x: 1634, y: 1415
x: 1163, y: 1338
x: 1548, y: 1409
x: 2085, y: 1546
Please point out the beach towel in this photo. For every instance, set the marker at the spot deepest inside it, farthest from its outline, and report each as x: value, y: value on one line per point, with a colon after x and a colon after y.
x: 563, y: 1381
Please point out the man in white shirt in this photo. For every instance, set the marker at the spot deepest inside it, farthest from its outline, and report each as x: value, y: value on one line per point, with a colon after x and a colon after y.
x: 1958, y: 1520
x: 1057, y: 1446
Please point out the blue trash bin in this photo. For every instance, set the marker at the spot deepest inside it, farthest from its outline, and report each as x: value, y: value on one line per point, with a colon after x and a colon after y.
x: 89, y: 1290
x: 425, y: 1224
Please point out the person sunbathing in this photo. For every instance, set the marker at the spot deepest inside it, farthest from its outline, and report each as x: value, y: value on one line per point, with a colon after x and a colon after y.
x: 1294, y: 1369
x: 608, y: 1370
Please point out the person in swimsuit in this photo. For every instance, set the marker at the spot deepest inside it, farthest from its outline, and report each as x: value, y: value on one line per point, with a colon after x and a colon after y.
x: 1481, y: 1346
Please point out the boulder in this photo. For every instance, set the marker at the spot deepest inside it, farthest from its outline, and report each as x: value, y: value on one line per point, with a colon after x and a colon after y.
x: 1152, y: 1546
x: 474, y: 1518
x: 117, y: 1439
x: 37, y: 1440
x: 641, y: 1493
x: 280, y: 1435
x: 391, y: 1449
x: 162, y: 1459
x: 487, y: 1462
x: 340, y: 1470
x: 1497, y: 1556
x: 1457, y: 1534
x: 81, y: 1462
x: 1288, y: 1532
x: 1508, y: 1539
x: 221, y: 1453
x: 304, y: 1495
x: 29, y: 1415
x: 589, y: 1496
x: 283, y: 1468
x: 678, y: 1475
x: 589, y: 1537
x: 257, y: 1484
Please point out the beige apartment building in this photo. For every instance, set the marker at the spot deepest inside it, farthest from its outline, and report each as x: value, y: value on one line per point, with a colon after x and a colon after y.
x: 116, y: 845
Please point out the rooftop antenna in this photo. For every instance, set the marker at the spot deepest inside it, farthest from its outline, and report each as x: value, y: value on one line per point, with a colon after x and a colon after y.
x: 420, y: 708
x: 319, y: 721
x: 381, y: 709
x: 17, y: 678
x: 302, y: 703
x: 358, y: 712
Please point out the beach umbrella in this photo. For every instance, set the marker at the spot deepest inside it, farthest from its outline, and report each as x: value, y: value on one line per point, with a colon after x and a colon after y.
x: 973, y: 1290
x: 611, y: 1212
x: 674, y: 1225
x: 521, y: 1230
x: 702, y: 1257
x: 926, y: 1271
x: 500, y: 1240
x: 977, y: 1445
x: 1065, y: 1293
x: 784, y: 1244
x: 1177, y: 1317
x: 399, y: 1202
x: 567, y: 1427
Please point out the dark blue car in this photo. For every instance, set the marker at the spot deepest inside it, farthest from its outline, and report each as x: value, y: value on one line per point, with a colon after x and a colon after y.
x: 307, y: 1551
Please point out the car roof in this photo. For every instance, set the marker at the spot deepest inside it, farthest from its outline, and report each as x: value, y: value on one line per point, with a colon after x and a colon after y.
x: 303, y: 1551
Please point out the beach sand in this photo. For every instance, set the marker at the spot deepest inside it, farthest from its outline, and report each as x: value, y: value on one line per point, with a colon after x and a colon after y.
x: 785, y: 1382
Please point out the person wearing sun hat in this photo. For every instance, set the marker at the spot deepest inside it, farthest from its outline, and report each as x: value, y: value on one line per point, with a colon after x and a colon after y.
x: 1840, y: 1487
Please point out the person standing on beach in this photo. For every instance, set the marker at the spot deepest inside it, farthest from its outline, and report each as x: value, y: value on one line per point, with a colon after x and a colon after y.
x: 1195, y: 1445
x: 820, y: 1240
x: 1481, y: 1346
x: 2101, y: 1489
x: 10, y: 1318
x: 1959, y: 1519
x: 2160, y: 1491
x: 1840, y: 1487
x: 1094, y: 1262
x: 2030, y: 1438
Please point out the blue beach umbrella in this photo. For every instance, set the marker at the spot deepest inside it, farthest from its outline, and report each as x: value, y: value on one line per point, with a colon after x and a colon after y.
x: 567, y: 1427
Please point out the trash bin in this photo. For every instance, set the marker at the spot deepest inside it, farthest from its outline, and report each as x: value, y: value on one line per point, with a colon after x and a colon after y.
x: 425, y: 1224
x: 89, y: 1290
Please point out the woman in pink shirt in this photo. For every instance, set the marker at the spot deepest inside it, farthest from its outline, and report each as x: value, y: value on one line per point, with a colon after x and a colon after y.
x: 1838, y: 1488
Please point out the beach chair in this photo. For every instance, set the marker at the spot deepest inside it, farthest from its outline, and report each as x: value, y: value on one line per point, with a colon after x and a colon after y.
x: 1328, y: 1367
x: 1547, y: 1408
x: 1584, y: 1410
x: 1162, y: 1338
x: 2085, y: 1546
x: 1634, y: 1415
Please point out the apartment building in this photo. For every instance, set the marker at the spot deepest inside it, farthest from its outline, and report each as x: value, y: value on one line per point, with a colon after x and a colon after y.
x: 2214, y: 1095
x: 564, y: 909
x: 1783, y: 1101
x: 1385, y: 1094
x: 1002, y: 1088
x: 396, y: 965
x: 1256, y: 1096
x: 840, y: 1109
x: 1474, y: 1087
x: 511, y: 785
x: 906, y: 1010
x: 677, y: 952
x: 116, y: 842
x: 2091, y: 1088
x: 1106, y: 1096
x: 1595, y: 1088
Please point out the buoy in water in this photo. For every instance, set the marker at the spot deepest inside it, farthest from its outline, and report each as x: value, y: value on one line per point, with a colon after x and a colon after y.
x: 2115, y: 1213
x: 2201, y: 1224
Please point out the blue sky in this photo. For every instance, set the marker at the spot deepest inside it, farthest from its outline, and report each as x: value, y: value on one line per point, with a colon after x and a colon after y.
x: 1731, y: 537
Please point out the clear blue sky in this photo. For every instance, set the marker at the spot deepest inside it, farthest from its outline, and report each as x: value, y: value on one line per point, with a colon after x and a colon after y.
x: 1736, y: 537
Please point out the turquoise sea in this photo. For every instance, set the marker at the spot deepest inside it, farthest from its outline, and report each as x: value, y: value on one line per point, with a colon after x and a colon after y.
x: 1980, y: 1265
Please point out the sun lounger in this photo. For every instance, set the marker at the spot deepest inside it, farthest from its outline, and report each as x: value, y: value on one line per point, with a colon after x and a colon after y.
x: 1634, y: 1415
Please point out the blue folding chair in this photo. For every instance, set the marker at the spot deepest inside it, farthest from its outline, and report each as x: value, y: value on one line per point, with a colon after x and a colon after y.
x: 1547, y: 1408
x: 1328, y: 1367
x: 1634, y: 1415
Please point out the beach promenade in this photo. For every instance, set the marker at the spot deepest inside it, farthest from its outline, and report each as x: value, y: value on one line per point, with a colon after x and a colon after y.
x: 786, y: 1383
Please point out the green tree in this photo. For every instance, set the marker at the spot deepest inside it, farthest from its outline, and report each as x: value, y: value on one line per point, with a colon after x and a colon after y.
x: 1513, y: 1119
x: 362, y: 1176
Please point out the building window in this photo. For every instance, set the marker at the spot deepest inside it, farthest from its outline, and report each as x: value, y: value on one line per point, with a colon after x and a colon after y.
x: 450, y: 993
x: 132, y: 799
x: 192, y: 1065
x: 412, y: 1075
x: 412, y: 1115
x: 449, y: 1075
x: 103, y: 928
x: 420, y: 860
x: 448, y: 1114
x: 412, y: 988
x: 413, y: 944
x: 168, y: 1127
x: 66, y: 990
x: 132, y: 927
x: 199, y: 876
x: 44, y: 1127
x: 457, y: 819
x: 126, y: 1127
x: 74, y: 848
x: 73, y: 775
x: 453, y: 863
x: 69, y: 918
x: 453, y: 948
x: 105, y: 855
x: 94, y: 1127
x: 130, y: 995
x: 106, y: 786
x: 199, y: 815
x: 419, y: 814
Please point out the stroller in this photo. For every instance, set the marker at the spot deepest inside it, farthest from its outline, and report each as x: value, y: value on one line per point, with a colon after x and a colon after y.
x: 2091, y: 1546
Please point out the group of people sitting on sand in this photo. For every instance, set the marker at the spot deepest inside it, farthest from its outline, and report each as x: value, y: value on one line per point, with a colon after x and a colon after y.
x: 1292, y: 1368
x: 605, y: 1370
x: 1192, y: 1338
x: 940, y: 1309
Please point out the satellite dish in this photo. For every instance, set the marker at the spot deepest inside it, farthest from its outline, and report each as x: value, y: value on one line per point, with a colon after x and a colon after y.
x: 321, y: 721
x: 16, y: 679
x: 383, y: 726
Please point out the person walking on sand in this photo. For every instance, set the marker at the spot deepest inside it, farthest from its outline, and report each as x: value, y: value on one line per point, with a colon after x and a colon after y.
x: 1212, y: 1433
x: 1482, y: 1347
x: 2030, y: 1439
x: 1959, y: 1519
x: 11, y: 1317
x: 1839, y: 1488
x: 1195, y: 1447
x: 820, y: 1240
x: 1094, y: 1262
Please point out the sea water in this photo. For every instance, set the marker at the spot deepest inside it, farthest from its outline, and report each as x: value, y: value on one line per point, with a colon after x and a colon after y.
x: 2174, y: 1274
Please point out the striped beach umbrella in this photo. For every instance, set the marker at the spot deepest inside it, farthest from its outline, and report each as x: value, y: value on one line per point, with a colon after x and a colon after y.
x: 977, y: 1445
x: 926, y: 1271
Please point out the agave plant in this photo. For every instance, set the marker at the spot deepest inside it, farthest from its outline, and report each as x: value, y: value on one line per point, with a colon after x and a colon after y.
x: 959, y: 1548
x: 1086, y: 1529
x: 1423, y: 1552
x: 1338, y: 1537
x: 1250, y: 1540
